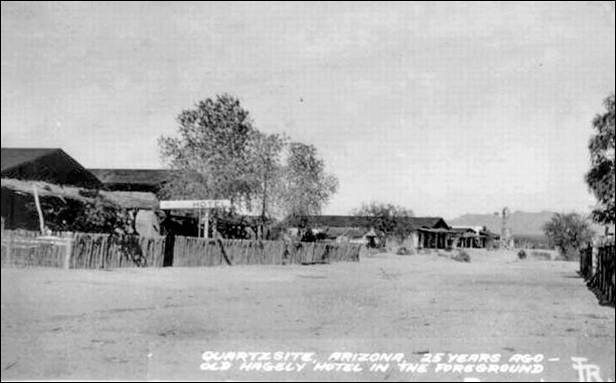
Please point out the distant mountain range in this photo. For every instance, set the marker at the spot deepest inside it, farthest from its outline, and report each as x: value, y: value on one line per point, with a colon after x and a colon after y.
x: 520, y: 222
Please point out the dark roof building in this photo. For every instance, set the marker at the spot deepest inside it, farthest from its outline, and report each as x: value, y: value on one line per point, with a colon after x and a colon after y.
x: 143, y: 180
x: 414, y: 223
x: 428, y: 222
x: 51, y: 165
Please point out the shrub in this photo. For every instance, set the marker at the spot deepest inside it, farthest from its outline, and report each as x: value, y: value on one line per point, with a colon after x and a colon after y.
x: 103, y: 217
x: 403, y: 251
x: 461, y: 256
x: 522, y: 254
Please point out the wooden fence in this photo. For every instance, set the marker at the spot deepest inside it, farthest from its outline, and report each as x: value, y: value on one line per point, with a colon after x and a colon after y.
x: 80, y: 250
x: 98, y: 251
x: 597, y: 267
x: 22, y: 249
x: 94, y: 251
x: 586, y: 262
x: 190, y: 251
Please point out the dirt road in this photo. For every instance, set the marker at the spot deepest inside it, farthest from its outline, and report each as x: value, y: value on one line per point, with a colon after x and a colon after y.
x: 157, y: 323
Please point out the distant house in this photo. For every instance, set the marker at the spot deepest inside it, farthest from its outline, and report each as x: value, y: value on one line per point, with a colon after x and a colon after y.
x: 488, y: 239
x: 347, y: 234
x: 50, y: 165
x: 430, y: 232
x: 142, y: 180
x: 340, y: 228
x: 465, y: 237
x: 473, y: 237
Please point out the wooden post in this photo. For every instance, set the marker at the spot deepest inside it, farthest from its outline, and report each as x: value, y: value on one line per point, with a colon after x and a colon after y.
x: 206, y: 223
x: 38, y: 210
x: 199, y: 224
x: 69, y: 250
x: 8, y: 249
x: 169, y: 248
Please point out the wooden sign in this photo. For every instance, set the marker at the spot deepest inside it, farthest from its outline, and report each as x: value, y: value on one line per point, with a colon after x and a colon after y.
x: 196, y: 204
x: 203, y: 206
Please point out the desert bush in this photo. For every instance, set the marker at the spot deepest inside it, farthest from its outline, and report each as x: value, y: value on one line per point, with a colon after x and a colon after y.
x: 461, y: 256
x: 522, y: 254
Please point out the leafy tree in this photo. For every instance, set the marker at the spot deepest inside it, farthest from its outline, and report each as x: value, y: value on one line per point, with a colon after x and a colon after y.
x: 601, y: 177
x: 305, y: 187
x: 220, y: 155
x: 387, y: 218
x: 267, y: 169
x: 212, y: 152
x: 568, y: 232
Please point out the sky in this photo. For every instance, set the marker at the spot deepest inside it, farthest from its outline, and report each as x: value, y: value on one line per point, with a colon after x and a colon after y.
x: 444, y: 108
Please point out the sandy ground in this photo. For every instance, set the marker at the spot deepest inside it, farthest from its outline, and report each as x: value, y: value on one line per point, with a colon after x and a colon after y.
x: 156, y: 323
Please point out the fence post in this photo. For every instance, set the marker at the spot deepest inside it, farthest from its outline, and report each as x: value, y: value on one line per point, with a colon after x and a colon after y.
x: 582, y: 263
x: 8, y: 250
x: 169, y: 244
x: 68, y: 243
x: 223, y: 252
x: 39, y: 210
